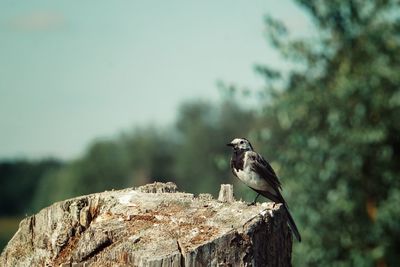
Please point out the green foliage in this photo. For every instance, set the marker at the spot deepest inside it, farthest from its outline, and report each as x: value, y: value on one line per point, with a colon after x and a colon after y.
x: 18, y: 181
x: 101, y: 168
x: 192, y: 154
x: 8, y: 227
x: 131, y: 159
x: 201, y: 161
x: 336, y: 128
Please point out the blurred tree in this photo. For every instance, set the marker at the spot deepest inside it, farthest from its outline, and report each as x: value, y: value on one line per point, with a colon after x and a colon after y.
x: 54, y: 185
x: 102, y: 167
x: 201, y: 158
x: 193, y: 154
x: 131, y: 159
x: 334, y: 128
x: 150, y: 155
x: 18, y: 180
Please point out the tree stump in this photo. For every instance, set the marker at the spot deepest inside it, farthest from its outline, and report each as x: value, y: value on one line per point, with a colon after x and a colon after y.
x: 153, y: 225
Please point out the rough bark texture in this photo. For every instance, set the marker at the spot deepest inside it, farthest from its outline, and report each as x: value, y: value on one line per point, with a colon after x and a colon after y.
x: 153, y: 225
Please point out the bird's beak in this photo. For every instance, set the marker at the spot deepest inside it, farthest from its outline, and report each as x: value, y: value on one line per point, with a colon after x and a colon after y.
x: 230, y: 144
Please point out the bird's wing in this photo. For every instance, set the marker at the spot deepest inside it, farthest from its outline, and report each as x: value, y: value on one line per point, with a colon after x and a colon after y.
x: 261, y: 166
x: 233, y: 167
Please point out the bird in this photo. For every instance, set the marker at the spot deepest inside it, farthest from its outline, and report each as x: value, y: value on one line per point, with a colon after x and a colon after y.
x: 252, y: 169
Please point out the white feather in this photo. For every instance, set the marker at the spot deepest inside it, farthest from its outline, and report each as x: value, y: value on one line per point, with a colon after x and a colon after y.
x: 251, y: 178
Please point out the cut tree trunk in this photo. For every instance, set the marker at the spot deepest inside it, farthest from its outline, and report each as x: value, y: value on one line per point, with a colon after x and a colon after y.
x: 153, y: 225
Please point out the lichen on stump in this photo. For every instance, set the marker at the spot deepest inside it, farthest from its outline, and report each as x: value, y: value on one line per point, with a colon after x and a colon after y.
x: 153, y: 225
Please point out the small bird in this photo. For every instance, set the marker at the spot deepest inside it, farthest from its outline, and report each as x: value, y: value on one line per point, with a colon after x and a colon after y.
x: 252, y: 169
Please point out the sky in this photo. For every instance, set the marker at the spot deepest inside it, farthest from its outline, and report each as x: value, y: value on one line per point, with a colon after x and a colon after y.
x: 73, y: 71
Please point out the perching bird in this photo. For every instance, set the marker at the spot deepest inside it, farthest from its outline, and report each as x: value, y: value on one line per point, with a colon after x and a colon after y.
x: 252, y: 169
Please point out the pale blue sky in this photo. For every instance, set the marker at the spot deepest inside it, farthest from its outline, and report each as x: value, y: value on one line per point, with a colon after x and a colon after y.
x: 72, y: 71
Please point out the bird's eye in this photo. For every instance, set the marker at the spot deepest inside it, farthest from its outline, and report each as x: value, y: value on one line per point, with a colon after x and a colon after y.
x: 241, y: 142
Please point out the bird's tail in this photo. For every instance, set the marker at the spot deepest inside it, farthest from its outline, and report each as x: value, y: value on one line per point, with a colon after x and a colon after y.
x: 292, y: 224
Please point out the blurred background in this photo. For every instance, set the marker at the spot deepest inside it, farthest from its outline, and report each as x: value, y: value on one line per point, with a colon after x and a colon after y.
x: 106, y: 95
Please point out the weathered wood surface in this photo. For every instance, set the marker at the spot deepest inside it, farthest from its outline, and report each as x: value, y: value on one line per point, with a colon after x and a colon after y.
x: 153, y: 225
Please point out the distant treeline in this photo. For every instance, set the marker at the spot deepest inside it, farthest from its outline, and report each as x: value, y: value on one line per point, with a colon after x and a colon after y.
x: 191, y: 153
x: 19, y: 180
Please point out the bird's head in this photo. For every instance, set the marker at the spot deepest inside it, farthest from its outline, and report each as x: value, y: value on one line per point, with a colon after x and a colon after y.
x: 240, y: 144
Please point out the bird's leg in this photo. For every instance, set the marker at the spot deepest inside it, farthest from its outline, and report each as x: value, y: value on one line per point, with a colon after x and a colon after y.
x: 255, y: 200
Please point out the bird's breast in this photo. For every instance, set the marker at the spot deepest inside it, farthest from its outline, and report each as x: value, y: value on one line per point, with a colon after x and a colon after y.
x: 252, y: 179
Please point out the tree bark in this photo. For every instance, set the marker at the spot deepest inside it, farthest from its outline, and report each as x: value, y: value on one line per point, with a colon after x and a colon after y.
x: 153, y: 225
